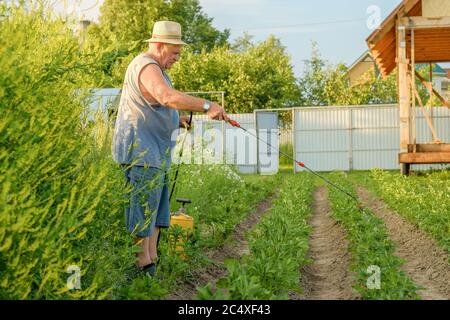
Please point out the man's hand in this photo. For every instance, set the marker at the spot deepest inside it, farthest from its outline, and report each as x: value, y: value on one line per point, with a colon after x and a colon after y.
x: 184, y: 123
x: 216, y: 112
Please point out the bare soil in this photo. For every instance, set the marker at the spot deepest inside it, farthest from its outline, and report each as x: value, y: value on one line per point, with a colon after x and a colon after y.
x: 425, y: 262
x: 235, y: 248
x: 328, y: 277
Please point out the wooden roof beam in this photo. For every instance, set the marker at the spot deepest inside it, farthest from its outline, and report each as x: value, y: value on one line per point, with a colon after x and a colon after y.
x: 424, y: 23
x: 389, y: 23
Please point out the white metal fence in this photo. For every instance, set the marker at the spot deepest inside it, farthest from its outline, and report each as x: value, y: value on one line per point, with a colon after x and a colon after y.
x: 357, y: 137
x: 213, y: 142
x: 218, y: 142
x: 325, y: 138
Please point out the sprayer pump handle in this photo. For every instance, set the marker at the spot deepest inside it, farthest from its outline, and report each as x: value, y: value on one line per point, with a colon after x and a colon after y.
x: 183, y: 201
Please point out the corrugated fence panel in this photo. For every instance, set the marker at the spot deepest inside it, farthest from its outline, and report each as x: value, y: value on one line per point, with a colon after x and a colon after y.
x: 375, y: 138
x: 241, y: 146
x: 358, y: 137
x: 326, y: 138
x: 285, y: 136
x: 322, y: 138
x: 217, y: 142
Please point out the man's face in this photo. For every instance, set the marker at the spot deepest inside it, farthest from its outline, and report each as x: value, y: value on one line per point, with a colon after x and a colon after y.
x: 170, y: 54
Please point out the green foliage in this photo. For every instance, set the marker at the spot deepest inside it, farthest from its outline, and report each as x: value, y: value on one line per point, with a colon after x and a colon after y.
x: 132, y: 22
x: 278, y: 246
x: 124, y: 25
x: 217, y: 219
x: 62, y: 198
x: 370, y: 246
x: 258, y: 78
x: 323, y: 84
x: 288, y: 149
x: 423, y: 200
x: 214, y: 221
x: 59, y: 201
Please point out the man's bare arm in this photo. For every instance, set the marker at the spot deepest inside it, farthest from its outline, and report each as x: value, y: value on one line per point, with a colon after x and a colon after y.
x: 152, y: 79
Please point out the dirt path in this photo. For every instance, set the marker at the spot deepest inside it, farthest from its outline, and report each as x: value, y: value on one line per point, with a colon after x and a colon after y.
x: 425, y: 263
x: 233, y: 249
x: 327, y: 278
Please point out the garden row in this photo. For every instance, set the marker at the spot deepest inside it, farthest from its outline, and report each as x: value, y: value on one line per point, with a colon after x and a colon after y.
x: 278, y: 245
x: 423, y: 199
x: 374, y: 263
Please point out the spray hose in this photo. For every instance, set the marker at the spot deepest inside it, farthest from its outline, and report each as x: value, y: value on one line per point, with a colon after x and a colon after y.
x: 301, y: 164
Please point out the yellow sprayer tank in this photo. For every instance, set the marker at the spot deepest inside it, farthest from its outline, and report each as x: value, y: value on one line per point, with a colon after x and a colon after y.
x: 186, y: 223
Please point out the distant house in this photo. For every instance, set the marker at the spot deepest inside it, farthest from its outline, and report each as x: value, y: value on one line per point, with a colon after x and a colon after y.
x: 441, y: 80
x: 363, y: 64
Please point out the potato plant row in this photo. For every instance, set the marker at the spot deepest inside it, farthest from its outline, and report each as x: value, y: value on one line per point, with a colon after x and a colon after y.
x: 278, y: 246
x: 423, y: 200
x: 376, y: 268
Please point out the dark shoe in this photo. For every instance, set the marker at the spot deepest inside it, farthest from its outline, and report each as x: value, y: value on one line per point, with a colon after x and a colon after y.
x: 149, y: 270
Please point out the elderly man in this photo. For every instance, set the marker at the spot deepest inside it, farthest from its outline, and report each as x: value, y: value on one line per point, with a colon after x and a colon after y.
x: 145, y: 133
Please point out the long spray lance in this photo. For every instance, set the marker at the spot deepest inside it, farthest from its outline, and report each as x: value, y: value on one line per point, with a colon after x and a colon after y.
x: 176, y: 172
x: 301, y: 164
x: 180, y: 156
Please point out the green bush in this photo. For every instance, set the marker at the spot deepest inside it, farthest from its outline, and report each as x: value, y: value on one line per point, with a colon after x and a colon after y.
x: 59, y: 200
x: 259, y: 77
x: 61, y: 196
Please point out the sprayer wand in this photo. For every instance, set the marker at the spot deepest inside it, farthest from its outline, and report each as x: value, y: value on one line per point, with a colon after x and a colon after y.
x: 301, y: 164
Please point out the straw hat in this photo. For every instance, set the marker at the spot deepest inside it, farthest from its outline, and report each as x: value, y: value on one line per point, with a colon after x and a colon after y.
x: 166, y: 32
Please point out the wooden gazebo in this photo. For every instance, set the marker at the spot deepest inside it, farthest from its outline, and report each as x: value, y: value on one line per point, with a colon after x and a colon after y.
x: 417, y: 31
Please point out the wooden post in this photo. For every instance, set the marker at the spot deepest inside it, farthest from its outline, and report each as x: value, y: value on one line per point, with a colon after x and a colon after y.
x: 435, y: 139
x: 413, y: 88
x: 431, y: 85
x: 404, y: 94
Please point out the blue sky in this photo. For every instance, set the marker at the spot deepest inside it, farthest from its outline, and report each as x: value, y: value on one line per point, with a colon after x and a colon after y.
x: 298, y: 22
x: 339, y: 27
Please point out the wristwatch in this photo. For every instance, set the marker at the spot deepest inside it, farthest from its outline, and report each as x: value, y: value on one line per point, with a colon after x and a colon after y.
x: 206, y: 106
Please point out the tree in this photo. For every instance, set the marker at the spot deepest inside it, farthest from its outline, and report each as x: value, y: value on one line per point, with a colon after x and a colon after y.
x: 325, y: 84
x: 196, y: 25
x: 258, y: 76
x: 124, y: 25
x: 132, y: 21
x: 312, y: 83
